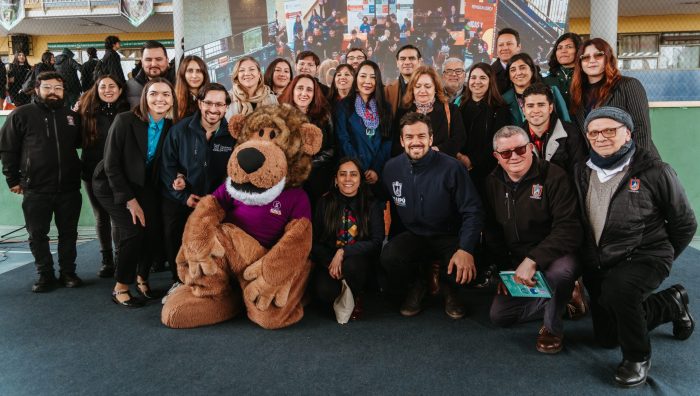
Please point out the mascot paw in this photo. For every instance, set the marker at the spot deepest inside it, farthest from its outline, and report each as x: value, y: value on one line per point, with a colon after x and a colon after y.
x: 200, y: 258
x: 262, y: 294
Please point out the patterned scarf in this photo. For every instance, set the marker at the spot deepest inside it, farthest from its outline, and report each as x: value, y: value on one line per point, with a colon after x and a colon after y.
x: 368, y: 112
x: 424, y: 108
x: 347, y: 234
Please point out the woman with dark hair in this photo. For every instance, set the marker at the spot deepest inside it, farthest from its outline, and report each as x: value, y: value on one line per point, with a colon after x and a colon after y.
x: 278, y: 75
x: 363, y: 122
x: 248, y: 90
x: 98, y: 108
x: 191, y: 75
x: 562, y: 62
x: 342, y: 83
x: 348, y: 230
x: 598, y: 82
x: 425, y: 94
x: 20, y: 69
x: 523, y: 73
x: 126, y: 183
x: 304, y: 93
x: 483, y: 112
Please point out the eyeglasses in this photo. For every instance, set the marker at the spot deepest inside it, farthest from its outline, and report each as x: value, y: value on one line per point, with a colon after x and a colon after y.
x: 521, y: 150
x: 213, y: 104
x: 597, y: 56
x: 456, y: 72
x: 49, y: 88
x: 607, y: 133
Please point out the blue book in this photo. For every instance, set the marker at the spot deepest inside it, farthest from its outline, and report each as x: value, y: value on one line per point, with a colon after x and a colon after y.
x: 540, y: 290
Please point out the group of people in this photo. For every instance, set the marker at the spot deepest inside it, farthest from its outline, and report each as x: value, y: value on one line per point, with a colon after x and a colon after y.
x: 494, y: 165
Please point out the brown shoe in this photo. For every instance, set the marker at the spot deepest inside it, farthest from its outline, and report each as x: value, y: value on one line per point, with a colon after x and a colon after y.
x: 548, y: 342
x: 577, y: 307
x: 434, y: 278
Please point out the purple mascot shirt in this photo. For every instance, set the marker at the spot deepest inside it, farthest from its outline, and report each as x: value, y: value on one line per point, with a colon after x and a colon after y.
x: 265, y: 223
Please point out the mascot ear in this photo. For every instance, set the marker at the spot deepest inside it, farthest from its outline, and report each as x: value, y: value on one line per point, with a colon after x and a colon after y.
x: 235, y: 125
x: 311, y: 137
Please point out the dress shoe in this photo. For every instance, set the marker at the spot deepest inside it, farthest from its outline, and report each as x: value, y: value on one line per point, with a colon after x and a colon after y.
x: 130, y: 303
x: 683, y: 324
x: 434, y: 278
x: 454, y: 308
x: 630, y: 374
x: 70, y: 280
x: 412, y: 305
x: 107, y: 269
x: 47, y: 282
x: 147, y: 292
x: 577, y: 307
x: 358, y: 310
x: 548, y: 342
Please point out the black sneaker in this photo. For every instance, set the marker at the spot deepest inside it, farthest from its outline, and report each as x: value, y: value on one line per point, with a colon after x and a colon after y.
x: 412, y: 305
x: 46, y: 283
x: 70, y: 280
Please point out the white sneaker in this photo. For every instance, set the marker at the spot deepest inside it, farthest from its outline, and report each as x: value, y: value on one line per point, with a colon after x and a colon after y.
x: 170, y: 291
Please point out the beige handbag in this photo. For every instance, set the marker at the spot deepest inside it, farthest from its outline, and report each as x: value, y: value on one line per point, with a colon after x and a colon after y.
x: 344, y: 304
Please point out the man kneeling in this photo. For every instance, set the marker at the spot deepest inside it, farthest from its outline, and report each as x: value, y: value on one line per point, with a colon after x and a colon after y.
x: 532, y: 224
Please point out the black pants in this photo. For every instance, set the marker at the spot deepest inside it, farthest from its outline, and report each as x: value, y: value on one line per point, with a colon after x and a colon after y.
x: 39, y: 209
x: 106, y: 234
x: 174, y: 218
x: 624, y: 307
x: 355, y: 270
x: 406, y: 257
x: 137, y: 244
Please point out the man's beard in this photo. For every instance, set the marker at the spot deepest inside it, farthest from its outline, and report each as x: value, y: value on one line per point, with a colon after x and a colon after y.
x: 53, y: 103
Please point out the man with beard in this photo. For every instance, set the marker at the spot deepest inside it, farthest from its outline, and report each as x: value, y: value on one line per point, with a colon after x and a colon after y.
x: 38, y: 145
x: 193, y: 164
x: 154, y: 63
x: 441, y: 212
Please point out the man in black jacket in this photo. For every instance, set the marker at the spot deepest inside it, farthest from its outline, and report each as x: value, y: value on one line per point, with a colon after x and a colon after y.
x: 637, y: 221
x: 154, y: 63
x: 533, y: 224
x: 39, y: 160
x: 554, y: 140
x: 87, y: 70
x: 507, y: 45
x: 111, y: 63
x: 441, y: 211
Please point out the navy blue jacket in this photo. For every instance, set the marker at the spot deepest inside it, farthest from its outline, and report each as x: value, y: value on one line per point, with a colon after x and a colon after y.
x: 435, y: 196
x: 186, y: 150
x: 354, y: 142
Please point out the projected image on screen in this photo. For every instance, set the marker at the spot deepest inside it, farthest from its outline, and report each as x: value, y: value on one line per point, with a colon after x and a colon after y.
x: 252, y: 40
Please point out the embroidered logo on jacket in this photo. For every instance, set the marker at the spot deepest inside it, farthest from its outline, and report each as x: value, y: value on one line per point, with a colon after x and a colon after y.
x: 220, y: 148
x: 635, y: 184
x: 398, y: 199
x: 276, y: 208
x: 70, y: 120
x: 537, y: 190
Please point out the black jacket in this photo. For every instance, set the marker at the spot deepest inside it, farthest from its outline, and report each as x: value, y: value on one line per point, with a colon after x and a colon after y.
x: 38, y: 148
x: 123, y: 171
x: 87, y: 71
x: 69, y: 68
x: 204, y: 163
x: 323, y: 248
x: 563, y: 144
x: 481, y: 122
x: 111, y: 63
x: 448, y: 140
x: 134, y: 87
x: 435, y: 196
x: 19, y: 74
x: 502, y: 76
x: 537, y: 217
x: 649, y: 215
x: 94, y: 153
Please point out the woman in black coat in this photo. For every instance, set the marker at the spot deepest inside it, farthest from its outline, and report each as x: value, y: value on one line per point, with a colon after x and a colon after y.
x: 98, y: 108
x: 20, y: 69
x: 126, y: 184
x: 484, y: 112
x: 348, y: 230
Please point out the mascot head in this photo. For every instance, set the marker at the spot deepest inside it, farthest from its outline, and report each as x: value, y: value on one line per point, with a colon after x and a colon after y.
x: 274, y: 149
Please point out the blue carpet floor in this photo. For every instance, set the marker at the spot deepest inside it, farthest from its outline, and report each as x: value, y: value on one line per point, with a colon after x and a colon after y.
x: 76, y: 341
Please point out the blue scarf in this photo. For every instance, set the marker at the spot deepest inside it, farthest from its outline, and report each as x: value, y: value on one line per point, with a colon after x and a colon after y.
x: 623, y: 154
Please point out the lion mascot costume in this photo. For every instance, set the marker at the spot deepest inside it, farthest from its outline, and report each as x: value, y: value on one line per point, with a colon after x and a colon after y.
x: 250, y: 240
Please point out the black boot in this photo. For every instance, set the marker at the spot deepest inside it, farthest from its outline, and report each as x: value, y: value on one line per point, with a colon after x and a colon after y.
x: 454, y: 307
x: 47, y: 282
x: 630, y: 374
x: 107, y: 270
x: 683, y: 322
x: 413, y: 303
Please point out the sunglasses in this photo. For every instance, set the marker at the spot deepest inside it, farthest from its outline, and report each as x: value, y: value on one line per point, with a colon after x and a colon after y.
x: 506, y: 154
x: 597, y: 56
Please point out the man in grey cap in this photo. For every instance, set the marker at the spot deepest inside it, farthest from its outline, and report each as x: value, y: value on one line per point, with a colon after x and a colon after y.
x: 637, y: 221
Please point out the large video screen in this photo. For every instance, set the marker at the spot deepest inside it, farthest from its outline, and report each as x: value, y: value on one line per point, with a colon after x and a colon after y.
x: 439, y: 28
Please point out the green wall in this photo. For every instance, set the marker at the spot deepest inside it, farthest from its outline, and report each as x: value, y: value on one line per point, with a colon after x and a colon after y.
x: 673, y: 134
